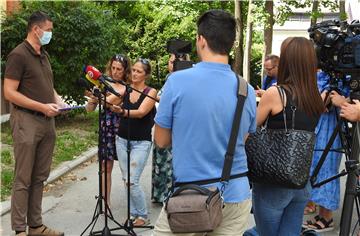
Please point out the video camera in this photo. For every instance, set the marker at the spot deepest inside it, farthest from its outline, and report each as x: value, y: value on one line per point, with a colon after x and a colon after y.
x: 337, y: 46
x: 180, y: 48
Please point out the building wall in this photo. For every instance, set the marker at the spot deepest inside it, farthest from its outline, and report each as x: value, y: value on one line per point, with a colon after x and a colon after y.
x: 289, y: 29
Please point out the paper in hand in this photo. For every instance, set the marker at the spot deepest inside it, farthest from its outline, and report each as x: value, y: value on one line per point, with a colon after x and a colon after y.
x: 71, y: 108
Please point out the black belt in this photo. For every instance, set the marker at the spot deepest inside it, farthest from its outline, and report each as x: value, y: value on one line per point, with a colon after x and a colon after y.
x: 35, y: 113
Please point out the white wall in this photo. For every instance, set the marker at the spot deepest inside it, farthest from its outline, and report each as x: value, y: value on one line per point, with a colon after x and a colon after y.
x: 289, y: 29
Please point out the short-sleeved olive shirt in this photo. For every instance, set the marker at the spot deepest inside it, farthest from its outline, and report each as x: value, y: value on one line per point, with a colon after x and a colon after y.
x: 33, y: 71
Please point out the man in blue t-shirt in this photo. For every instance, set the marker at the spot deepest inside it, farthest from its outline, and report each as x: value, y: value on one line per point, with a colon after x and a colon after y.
x: 271, y: 70
x: 195, y: 115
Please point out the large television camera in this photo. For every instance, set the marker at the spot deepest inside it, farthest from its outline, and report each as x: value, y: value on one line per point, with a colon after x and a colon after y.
x: 337, y: 46
x: 180, y: 48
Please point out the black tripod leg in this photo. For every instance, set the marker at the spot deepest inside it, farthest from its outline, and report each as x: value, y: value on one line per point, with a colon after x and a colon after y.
x: 351, y: 184
x: 94, y: 218
x: 106, y: 231
x: 321, y: 161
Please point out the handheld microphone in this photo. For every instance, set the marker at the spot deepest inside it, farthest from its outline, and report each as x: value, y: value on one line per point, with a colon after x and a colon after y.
x: 94, y: 82
x: 84, y: 84
x: 95, y: 77
x: 95, y: 74
x: 92, y: 72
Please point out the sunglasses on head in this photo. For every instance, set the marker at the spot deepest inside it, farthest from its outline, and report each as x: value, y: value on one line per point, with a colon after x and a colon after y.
x: 119, y: 57
x: 144, y: 61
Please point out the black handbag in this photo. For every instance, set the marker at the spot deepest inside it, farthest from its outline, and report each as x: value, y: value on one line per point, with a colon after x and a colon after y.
x: 280, y: 157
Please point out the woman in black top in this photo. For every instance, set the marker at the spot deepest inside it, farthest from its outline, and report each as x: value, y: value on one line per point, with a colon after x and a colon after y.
x: 135, y: 126
x: 277, y: 210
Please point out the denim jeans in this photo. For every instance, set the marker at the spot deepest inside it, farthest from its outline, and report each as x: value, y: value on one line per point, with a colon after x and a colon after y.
x: 279, y: 211
x: 251, y: 232
x: 139, y: 153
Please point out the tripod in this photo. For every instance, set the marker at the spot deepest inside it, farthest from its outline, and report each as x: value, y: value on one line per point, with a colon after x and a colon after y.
x: 129, y: 222
x: 99, y: 210
x: 352, y: 185
x: 351, y: 166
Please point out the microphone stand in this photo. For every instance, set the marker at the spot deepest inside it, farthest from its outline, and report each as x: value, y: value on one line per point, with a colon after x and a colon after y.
x: 129, y: 223
x: 106, y: 231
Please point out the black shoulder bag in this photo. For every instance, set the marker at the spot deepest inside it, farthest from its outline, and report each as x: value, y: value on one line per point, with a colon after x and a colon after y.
x: 193, y: 208
x: 280, y: 157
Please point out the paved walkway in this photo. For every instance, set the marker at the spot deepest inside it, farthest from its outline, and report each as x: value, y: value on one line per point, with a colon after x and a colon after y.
x: 69, y: 203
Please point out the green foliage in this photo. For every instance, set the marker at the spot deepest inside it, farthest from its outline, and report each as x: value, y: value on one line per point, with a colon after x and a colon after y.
x: 7, y: 177
x: 256, y: 58
x: 6, y: 137
x: 83, y: 34
x: 72, y: 143
x: 285, y: 8
x: 6, y: 157
x: 150, y: 24
x: 90, y: 32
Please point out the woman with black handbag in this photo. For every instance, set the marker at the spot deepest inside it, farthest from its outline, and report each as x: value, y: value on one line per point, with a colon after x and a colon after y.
x: 294, y: 106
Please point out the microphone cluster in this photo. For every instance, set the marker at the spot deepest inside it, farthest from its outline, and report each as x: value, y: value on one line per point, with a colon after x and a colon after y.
x: 95, y: 77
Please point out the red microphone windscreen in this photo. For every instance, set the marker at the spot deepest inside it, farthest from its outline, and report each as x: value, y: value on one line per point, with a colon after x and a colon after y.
x: 92, y: 72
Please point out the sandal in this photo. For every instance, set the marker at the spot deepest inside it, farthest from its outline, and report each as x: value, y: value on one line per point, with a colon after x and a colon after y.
x: 141, y: 221
x: 311, y: 221
x: 322, y: 225
x: 309, y: 209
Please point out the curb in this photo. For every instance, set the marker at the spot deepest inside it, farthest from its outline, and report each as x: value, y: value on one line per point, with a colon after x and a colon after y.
x: 57, y: 173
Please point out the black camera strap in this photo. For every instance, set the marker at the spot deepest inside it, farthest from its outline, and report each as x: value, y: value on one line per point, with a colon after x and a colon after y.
x: 229, y: 155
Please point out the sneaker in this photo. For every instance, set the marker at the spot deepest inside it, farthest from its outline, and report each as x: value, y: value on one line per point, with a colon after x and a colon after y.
x: 141, y: 221
x: 44, y: 230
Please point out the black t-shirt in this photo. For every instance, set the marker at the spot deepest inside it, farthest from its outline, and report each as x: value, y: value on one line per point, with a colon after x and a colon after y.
x: 139, y: 128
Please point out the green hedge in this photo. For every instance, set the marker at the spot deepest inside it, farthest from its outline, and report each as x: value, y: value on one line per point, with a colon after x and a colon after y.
x: 84, y: 33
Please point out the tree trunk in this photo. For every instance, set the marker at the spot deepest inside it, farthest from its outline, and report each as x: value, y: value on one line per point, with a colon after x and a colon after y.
x: 239, y: 39
x: 248, y: 41
x: 342, y: 12
x: 268, y: 32
x: 314, y: 12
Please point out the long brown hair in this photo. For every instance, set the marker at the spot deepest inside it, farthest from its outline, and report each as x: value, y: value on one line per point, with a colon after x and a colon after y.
x: 125, y: 62
x: 297, y: 72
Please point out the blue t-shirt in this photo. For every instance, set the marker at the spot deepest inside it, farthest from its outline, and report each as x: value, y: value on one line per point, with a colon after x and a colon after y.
x: 198, y: 105
x: 268, y: 82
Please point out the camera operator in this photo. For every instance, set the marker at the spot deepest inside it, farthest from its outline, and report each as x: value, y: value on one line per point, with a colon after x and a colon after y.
x: 162, y: 158
x: 173, y: 57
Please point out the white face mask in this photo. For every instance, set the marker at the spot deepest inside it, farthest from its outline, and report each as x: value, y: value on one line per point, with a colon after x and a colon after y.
x: 45, y: 39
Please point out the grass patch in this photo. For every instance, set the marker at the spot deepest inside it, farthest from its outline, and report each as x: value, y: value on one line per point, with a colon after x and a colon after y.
x: 6, y: 157
x: 6, y: 137
x: 75, y: 134
x: 7, y: 177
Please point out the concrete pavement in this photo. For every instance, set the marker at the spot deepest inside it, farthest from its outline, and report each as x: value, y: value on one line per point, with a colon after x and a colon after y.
x: 70, y: 202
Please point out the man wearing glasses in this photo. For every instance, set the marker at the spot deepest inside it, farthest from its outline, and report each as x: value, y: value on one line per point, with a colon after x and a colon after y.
x: 271, y: 71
